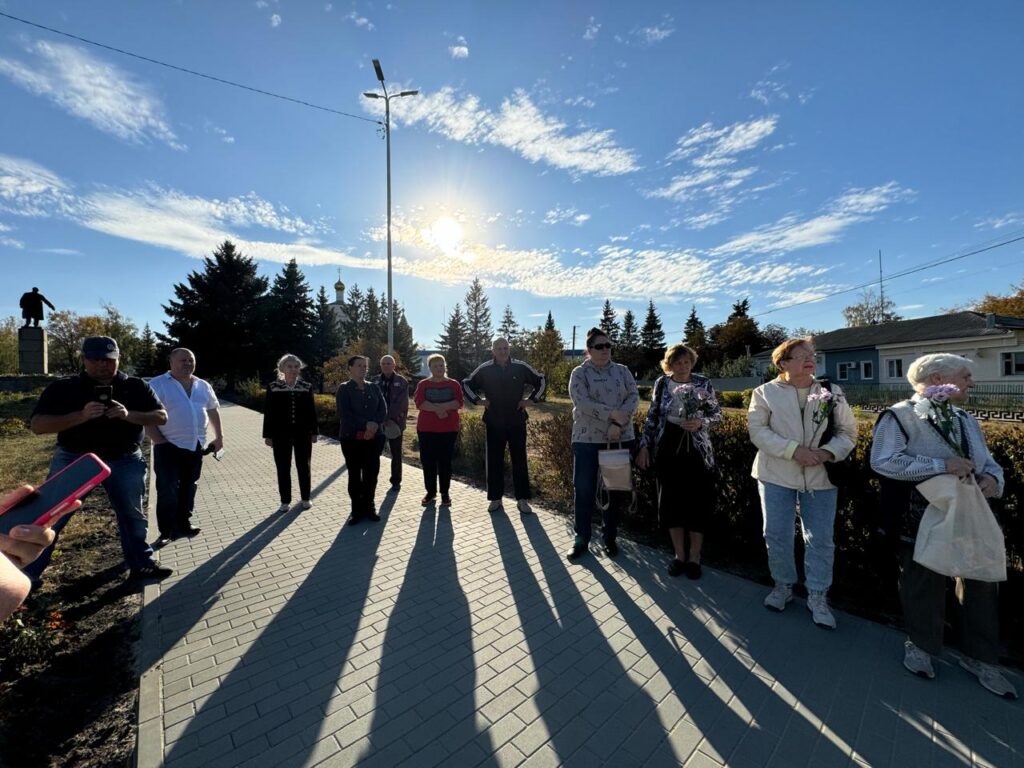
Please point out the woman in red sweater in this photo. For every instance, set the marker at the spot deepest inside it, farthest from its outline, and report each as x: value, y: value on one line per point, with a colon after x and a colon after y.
x: 439, y: 400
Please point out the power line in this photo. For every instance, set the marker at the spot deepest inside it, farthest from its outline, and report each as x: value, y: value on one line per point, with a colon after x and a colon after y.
x: 904, y: 273
x: 192, y: 72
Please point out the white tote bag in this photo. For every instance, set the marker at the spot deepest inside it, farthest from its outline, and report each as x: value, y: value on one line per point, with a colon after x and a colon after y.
x: 614, y: 473
x: 958, y: 534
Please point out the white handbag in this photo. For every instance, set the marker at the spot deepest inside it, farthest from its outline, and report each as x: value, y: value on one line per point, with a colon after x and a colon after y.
x: 614, y: 473
x: 958, y: 534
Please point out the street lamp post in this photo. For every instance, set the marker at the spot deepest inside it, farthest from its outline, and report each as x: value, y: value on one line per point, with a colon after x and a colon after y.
x: 387, y: 136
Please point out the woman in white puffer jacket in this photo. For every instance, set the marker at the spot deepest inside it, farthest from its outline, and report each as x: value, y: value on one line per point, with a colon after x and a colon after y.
x: 787, y: 420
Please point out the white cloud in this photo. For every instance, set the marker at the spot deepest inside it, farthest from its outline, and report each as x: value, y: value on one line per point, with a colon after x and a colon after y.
x: 557, y: 215
x: 460, y: 50
x: 580, y: 101
x: 998, y: 222
x: 360, y: 21
x: 226, y: 137
x: 590, y: 33
x: 93, y: 90
x: 275, y: 20
x: 792, y: 232
x: 714, y: 176
x: 28, y: 189
x: 655, y: 33
x: 518, y: 125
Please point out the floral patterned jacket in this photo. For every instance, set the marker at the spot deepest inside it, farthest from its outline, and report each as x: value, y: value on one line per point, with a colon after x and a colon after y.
x: 661, y: 397
x: 595, y: 393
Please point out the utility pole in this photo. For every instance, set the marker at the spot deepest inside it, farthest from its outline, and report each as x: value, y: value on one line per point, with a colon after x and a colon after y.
x: 387, y: 135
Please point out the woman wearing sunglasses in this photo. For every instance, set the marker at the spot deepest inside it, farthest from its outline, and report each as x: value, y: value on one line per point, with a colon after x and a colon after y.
x: 604, y: 398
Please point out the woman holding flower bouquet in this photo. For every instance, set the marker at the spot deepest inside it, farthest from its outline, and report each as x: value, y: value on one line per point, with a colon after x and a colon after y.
x: 787, y: 420
x: 916, y: 440
x: 683, y: 406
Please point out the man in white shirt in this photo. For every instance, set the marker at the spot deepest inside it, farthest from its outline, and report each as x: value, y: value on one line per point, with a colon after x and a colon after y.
x: 178, y: 445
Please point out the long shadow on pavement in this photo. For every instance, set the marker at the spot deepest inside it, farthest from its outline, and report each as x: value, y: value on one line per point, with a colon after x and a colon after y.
x: 580, y: 680
x: 182, y: 604
x: 807, y: 690
x: 280, y: 702
x: 425, y: 691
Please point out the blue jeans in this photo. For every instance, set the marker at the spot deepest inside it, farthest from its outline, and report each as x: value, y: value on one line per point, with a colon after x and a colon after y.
x: 817, y: 521
x: 584, y: 483
x: 125, y: 488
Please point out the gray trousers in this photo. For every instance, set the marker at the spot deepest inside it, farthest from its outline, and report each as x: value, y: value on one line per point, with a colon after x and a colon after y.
x: 923, y: 595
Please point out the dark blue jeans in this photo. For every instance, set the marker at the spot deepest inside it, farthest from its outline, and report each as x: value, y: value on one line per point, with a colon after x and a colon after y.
x: 584, y: 483
x: 177, y: 477
x: 125, y: 488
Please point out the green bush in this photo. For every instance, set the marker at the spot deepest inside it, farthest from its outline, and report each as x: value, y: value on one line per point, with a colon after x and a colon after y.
x: 730, y: 399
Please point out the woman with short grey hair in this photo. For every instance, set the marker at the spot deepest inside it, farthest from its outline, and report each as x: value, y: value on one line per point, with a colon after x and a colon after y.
x: 290, y: 426
x: 909, y: 447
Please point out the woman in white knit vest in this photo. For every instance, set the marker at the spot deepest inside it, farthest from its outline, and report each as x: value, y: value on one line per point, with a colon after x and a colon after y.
x: 788, y: 419
x: 909, y: 448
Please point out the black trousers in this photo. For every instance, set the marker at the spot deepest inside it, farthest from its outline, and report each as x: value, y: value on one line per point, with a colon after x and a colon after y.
x: 177, y: 475
x: 923, y: 594
x: 395, y: 448
x: 515, y: 438
x: 362, y: 460
x: 436, y: 449
x: 302, y: 447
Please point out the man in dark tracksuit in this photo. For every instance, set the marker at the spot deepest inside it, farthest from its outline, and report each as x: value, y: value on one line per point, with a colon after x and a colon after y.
x: 501, y: 382
x: 395, y: 389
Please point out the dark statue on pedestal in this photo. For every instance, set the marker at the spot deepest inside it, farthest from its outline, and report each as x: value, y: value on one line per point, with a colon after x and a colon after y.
x: 32, y: 307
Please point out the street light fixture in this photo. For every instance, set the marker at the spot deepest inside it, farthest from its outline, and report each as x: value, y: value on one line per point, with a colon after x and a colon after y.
x: 387, y: 135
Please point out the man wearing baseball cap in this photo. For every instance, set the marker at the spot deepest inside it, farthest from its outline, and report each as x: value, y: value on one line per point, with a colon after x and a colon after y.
x: 103, y: 411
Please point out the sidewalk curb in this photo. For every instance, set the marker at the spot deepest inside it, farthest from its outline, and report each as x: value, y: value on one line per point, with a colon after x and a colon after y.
x: 149, y: 741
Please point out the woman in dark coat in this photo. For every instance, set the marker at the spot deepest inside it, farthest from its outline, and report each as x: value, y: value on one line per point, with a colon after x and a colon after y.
x: 289, y: 425
x: 361, y: 410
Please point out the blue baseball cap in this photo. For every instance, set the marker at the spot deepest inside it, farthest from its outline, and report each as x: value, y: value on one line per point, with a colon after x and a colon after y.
x: 100, y: 348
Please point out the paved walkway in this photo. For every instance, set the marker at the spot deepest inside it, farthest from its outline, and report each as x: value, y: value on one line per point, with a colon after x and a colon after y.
x: 464, y: 639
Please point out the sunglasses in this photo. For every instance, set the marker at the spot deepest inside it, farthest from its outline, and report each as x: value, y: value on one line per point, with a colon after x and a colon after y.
x: 601, y: 346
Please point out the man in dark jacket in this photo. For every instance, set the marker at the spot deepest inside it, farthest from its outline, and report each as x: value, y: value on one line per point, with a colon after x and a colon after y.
x: 395, y: 389
x: 501, y: 383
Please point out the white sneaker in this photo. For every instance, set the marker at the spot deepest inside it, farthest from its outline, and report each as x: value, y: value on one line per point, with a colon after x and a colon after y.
x: 778, y: 597
x: 494, y: 506
x: 917, y: 661
x: 306, y: 503
x: 524, y: 507
x: 990, y: 677
x: 284, y: 507
x: 817, y: 604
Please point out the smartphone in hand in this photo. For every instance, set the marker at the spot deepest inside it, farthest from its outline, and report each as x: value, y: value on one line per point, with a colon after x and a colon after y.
x: 104, y: 394
x: 49, y: 501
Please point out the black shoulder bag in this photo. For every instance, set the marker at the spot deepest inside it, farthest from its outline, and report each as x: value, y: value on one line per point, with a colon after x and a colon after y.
x: 840, y: 473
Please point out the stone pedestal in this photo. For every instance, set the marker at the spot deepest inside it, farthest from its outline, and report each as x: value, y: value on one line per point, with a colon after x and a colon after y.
x: 32, y: 351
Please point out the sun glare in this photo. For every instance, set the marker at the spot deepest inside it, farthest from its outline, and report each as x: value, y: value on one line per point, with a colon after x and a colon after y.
x: 447, y: 234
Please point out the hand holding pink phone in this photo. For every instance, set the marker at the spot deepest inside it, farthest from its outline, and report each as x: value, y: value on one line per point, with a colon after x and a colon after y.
x: 59, y: 495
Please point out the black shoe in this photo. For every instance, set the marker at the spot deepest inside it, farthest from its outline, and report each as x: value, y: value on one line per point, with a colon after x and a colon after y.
x: 353, y: 520
x: 446, y: 500
x: 164, y: 540
x: 577, y: 551
x: 611, y: 547
x: 190, y: 532
x: 428, y: 500
x: 150, y: 572
x: 676, y: 567
x: 693, y: 570
x: 372, y: 516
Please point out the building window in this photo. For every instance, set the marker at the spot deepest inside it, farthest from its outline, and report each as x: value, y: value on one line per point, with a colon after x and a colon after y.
x: 843, y: 370
x: 1013, y: 363
x: 895, y: 369
x: 867, y: 370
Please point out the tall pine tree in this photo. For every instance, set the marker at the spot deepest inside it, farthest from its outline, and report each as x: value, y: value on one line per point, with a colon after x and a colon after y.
x: 652, y: 337
x: 405, y: 346
x: 694, y: 334
x: 220, y: 314
x: 512, y: 333
x: 453, y: 344
x: 478, y: 324
x: 609, y: 324
x: 292, y: 314
x: 628, y: 352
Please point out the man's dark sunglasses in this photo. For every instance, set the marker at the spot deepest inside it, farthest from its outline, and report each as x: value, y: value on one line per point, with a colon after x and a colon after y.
x: 606, y: 345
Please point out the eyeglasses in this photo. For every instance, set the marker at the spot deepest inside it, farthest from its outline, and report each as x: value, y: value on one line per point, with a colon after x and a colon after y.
x: 601, y: 346
x: 802, y: 358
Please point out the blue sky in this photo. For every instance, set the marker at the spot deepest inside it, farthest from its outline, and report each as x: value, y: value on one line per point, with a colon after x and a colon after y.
x: 565, y: 153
